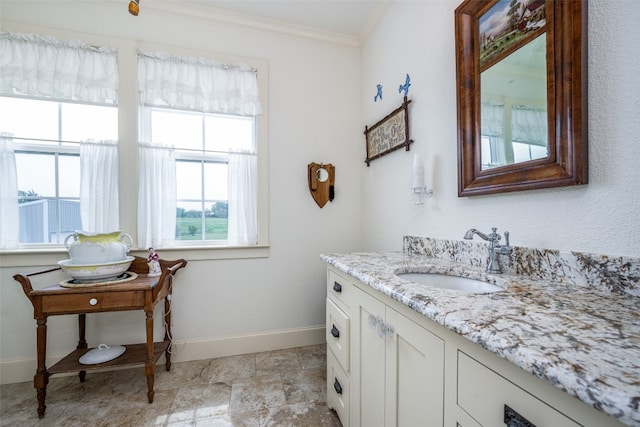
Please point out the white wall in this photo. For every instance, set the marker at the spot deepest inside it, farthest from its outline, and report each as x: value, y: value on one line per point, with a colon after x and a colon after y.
x: 321, y: 97
x: 314, y: 113
x: 417, y: 37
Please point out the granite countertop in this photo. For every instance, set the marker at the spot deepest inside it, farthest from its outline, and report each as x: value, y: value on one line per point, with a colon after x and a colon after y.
x: 582, y: 340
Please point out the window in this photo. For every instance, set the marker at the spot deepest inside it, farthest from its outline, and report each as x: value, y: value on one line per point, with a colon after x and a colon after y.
x: 512, y: 133
x: 56, y: 99
x: 198, y: 152
x: 46, y: 139
x: 524, y: 151
x: 203, y: 144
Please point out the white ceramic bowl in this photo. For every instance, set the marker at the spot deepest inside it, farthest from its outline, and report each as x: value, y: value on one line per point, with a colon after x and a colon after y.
x: 94, y: 272
x: 102, y: 353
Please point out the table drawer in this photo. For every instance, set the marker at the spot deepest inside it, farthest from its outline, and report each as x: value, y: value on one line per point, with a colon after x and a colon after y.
x: 93, y: 302
x: 486, y: 396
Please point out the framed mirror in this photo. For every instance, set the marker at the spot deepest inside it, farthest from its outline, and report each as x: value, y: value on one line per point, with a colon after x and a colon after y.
x: 521, y: 69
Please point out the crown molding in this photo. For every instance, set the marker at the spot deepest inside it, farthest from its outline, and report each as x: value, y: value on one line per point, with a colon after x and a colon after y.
x: 192, y: 11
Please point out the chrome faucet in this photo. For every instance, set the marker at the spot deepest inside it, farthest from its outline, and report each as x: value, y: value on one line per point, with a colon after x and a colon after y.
x: 493, y: 265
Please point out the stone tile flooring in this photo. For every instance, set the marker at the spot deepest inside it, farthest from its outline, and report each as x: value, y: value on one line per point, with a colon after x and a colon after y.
x: 276, y: 388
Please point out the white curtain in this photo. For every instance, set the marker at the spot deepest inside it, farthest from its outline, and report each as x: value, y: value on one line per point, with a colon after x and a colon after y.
x: 99, y: 209
x: 45, y: 67
x: 243, y: 202
x: 156, y: 196
x: 197, y: 84
x: 529, y: 124
x: 9, y: 211
x: 492, y: 114
x: 492, y: 118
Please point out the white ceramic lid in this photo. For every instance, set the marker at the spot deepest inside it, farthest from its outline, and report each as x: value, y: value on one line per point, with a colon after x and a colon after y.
x: 102, y: 353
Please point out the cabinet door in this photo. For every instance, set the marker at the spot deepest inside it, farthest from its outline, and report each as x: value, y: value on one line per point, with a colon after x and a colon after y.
x: 415, y: 374
x: 368, y: 367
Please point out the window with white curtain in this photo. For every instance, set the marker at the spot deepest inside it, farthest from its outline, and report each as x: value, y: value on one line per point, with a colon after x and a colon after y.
x: 529, y: 124
x: 512, y: 133
x: 58, y: 115
x: 203, y: 113
x: 201, y: 148
x: 204, y: 144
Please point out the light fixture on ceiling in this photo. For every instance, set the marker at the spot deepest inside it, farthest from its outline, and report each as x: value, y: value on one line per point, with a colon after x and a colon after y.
x: 134, y: 7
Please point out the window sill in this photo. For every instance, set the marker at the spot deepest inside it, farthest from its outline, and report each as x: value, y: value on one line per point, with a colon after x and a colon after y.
x: 51, y: 256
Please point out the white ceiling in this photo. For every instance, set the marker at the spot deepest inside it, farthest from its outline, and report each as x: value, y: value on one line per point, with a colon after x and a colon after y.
x: 350, y: 19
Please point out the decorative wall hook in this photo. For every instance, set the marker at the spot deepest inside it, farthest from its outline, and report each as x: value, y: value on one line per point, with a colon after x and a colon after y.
x: 405, y: 87
x: 379, y: 94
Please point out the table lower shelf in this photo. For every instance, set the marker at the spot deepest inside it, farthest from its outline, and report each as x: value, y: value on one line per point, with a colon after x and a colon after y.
x: 135, y: 354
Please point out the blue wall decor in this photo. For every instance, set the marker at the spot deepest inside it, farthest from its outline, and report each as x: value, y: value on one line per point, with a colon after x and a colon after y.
x: 379, y: 94
x: 405, y: 87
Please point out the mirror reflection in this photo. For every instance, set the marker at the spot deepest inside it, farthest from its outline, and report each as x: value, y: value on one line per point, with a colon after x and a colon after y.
x: 322, y: 175
x: 513, y: 107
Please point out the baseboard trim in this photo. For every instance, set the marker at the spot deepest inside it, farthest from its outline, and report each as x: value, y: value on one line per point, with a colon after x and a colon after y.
x: 15, y: 371
x: 244, y: 344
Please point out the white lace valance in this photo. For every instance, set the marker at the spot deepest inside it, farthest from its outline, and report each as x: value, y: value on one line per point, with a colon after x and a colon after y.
x: 197, y: 84
x: 42, y: 66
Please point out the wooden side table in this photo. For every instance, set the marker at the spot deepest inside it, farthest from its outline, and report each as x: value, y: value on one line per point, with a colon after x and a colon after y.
x: 142, y: 293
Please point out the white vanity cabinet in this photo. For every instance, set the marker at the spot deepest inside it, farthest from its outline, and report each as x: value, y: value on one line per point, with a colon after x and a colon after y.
x: 401, y: 369
x: 397, y: 368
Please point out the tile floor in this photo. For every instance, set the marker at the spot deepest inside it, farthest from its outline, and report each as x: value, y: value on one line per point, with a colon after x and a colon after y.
x: 276, y: 388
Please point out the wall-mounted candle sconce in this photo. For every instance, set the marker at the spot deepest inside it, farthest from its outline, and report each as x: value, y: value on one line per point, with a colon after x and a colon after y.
x: 134, y: 7
x: 418, y: 187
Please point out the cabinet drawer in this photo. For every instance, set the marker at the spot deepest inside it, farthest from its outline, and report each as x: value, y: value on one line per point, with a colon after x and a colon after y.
x: 483, y: 394
x: 339, y: 288
x: 93, y: 302
x: 338, y: 389
x: 338, y: 334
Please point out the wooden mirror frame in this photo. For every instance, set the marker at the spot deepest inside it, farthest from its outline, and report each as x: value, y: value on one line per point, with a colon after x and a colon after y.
x: 567, y: 162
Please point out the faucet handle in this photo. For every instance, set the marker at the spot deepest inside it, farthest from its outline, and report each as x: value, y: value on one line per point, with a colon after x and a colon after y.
x: 505, y: 249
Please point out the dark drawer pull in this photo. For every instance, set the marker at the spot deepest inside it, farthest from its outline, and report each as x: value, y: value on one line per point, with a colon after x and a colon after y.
x: 337, y: 287
x: 337, y: 387
x: 335, y: 332
x: 514, y: 419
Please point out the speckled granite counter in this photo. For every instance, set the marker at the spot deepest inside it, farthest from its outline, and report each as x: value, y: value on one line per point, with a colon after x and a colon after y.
x: 583, y: 340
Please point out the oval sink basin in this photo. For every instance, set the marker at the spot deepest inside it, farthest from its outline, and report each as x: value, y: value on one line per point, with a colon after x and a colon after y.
x: 450, y: 282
